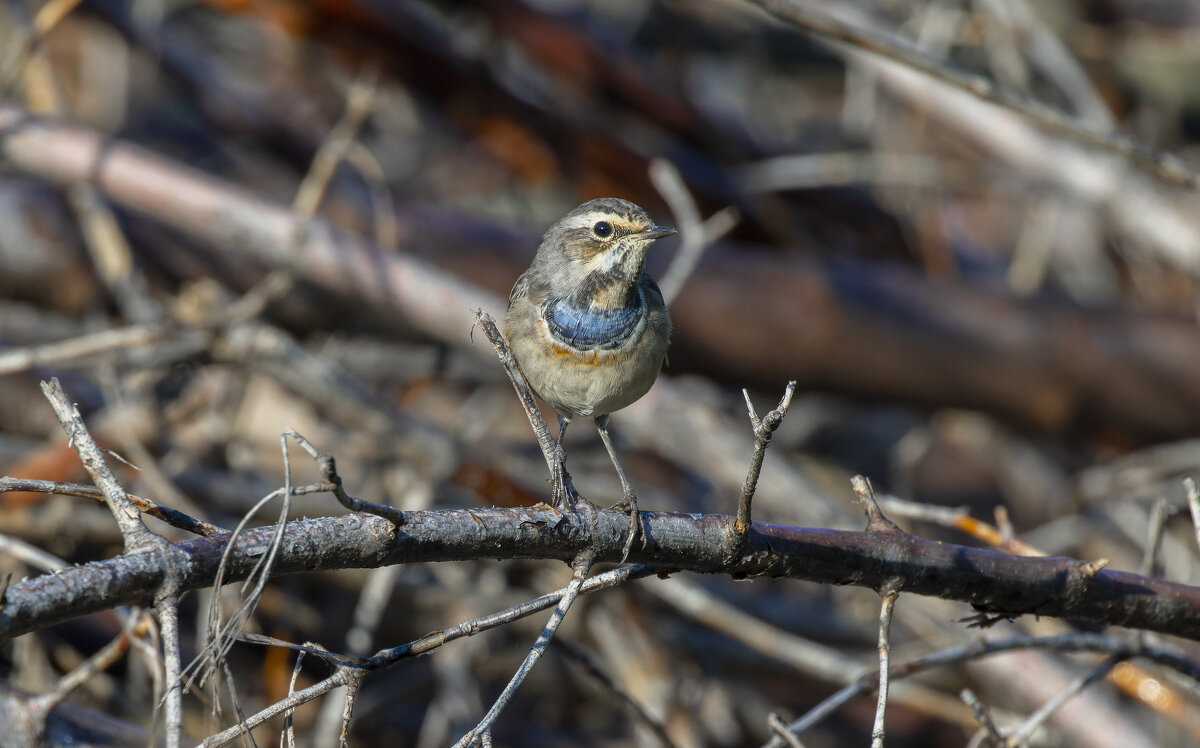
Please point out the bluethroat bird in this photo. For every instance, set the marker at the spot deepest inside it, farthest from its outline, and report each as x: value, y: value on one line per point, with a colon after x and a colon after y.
x: 587, y: 325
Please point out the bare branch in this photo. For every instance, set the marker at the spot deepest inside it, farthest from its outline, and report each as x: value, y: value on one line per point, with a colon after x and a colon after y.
x: 30, y: 554
x: 695, y: 235
x: 780, y: 730
x: 1029, y: 726
x: 983, y: 715
x: 1124, y: 647
x: 579, y: 569
x: 328, y: 467
x: 14, y: 360
x: 1159, y: 511
x: 763, y: 430
x: 890, y: 593
x: 580, y: 656
x: 866, y: 494
x: 563, y: 487
x: 1013, y: 585
x: 1193, y: 500
x: 129, y: 519
x: 167, y: 606
x: 97, y: 663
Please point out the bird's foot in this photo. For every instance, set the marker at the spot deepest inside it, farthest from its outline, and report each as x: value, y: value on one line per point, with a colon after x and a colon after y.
x: 637, y: 525
x: 560, y: 480
x: 564, y: 495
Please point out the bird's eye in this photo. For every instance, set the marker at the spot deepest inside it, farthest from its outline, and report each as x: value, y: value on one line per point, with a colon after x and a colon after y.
x: 602, y: 229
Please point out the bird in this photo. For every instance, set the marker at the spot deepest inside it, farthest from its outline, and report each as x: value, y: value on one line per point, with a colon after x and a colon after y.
x: 588, y: 326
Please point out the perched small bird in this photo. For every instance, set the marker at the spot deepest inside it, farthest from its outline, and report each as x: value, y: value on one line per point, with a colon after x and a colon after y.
x: 587, y: 325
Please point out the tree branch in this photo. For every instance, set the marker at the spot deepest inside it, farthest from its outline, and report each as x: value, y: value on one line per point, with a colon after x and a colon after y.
x: 995, y: 583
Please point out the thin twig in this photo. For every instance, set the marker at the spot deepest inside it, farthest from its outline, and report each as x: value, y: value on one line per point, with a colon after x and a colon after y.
x: 30, y: 554
x: 941, y: 515
x: 222, y: 637
x: 167, y: 605
x: 172, y: 517
x: 372, y: 605
x: 348, y: 709
x: 1159, y: 511
x: 608, y: 683
x: 563, y: 487
x: 695, y: 235
x: 288, y: 721
x: 1122, y: 647
x: 331, y: 152
x: 885, y: 652
x: 763, y: 430
x: 580, y: 568
x: 1004, y: 524
x: 423, y: 645
x: 41, y: 705
x: 1193, y: 500
x: 866, y: 494
x: 359, y: 101
x: 327, y: 464
x: 351, y: 669
x: 14, y: 360
x: 813, y: 659
x: 341, y: 677
x: 780, y: 730
x: 524, y: 394
x: 436, y: 639
x: 129, y: 519
x: 1022, y: 733
x: 983, y: 715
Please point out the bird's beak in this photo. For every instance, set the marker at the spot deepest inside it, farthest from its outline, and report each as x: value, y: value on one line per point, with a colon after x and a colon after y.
x: 656, y: 232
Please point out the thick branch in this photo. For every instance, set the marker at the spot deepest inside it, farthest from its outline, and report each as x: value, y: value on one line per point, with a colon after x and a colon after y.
x: 991, y: 581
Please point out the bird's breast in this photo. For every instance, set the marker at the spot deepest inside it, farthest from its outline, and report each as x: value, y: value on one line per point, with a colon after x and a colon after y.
x: 588, y: 363
x: 592, y: 329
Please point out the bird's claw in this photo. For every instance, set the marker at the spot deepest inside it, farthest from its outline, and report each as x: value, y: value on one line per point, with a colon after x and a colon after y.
x: 637, y: 525
x: 560, y: 480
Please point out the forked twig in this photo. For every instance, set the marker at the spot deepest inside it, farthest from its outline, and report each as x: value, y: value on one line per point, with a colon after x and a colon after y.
x: 764, y: 428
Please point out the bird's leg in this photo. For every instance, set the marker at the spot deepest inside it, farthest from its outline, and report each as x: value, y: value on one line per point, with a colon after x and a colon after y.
x: 558, y: 477
x: 636, y: 527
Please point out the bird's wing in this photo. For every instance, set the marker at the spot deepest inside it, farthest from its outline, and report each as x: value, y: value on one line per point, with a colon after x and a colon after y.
x: 521, y: 288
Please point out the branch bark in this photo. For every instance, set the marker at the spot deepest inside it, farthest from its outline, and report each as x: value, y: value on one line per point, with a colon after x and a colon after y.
x: 992, y: 582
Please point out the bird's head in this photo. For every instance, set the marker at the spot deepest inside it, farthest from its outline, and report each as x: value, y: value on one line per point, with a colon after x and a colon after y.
x: 595, y: 253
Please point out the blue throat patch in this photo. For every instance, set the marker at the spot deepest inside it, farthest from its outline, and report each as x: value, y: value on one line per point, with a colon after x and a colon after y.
x: 589, y: 329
